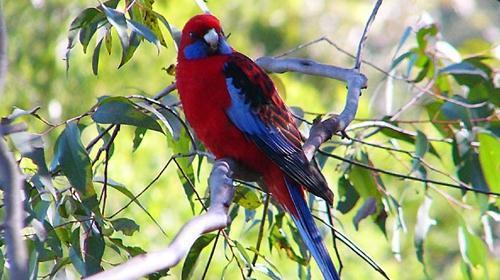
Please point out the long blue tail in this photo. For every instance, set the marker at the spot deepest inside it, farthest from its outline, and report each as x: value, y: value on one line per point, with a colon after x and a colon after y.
x: 310, y: 233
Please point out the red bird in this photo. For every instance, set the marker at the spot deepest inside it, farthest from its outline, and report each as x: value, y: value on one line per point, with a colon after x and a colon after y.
x: 235, y: 110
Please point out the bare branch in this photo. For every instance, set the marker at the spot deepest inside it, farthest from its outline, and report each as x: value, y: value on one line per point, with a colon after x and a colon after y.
x: 12, y: 181
x: 362, y: 41
x: 221, y: 193
x: 3, y: 50
x: 168, y: 89
x: 322, y: 131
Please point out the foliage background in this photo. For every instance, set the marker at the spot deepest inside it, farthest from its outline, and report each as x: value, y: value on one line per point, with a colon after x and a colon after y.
x: 37, y: 77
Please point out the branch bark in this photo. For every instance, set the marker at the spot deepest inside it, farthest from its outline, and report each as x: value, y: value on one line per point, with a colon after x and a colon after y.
x: 216, y: 218
x: 11, y: 181
x: 325, y: 129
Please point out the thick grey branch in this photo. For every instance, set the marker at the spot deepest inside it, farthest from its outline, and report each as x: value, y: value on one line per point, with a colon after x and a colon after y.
x: 216, y: 218
x: 323, y: 130
x: 11, y: 180
x: 3, y: 50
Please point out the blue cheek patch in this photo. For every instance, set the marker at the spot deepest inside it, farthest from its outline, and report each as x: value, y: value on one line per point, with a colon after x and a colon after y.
x: 224, y: 47
x: 196, y: 50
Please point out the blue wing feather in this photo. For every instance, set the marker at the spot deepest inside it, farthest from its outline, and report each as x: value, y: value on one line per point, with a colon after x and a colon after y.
x: 255, y: 106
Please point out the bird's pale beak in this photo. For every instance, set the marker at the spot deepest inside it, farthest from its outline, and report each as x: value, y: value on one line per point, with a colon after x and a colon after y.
x: 212, y: 39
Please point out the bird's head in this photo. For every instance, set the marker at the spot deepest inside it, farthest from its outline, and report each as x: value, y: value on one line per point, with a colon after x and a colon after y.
x: 202, y: 37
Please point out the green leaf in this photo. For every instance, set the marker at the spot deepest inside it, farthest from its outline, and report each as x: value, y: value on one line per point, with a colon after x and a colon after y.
x: 424, y: 223
x: 74, y: 160
x: 33, y: 265
x: 75, y: 252
x: 131, y: 250
x: 368, y: 208
x: 174, y: 31
x: 194, y: 253
x: 364, y: 182
x: 348, y: 196
x: 280, y: 240
x: 161, y: 117
x: 399, y: 59
x: 421, y: 147
x: 2, y: 264
x: 133, y: 44
x: 489, y: 157
x: 145, y: 32
x: 94, y: 250
x: 125, y: 225
x: 60, y: 263
x: 139, y: 134
x: 185, y: 172
x: 464, y: 68
x: 472, y: 248
x: 404, y: 37
x: 108, y: 40
x: 120, y: 110
x: 266, y: 271
x: 424, y: 33
x: 119, y: 22
x: 247, y: 197
x: 95, y: 57
x: 243, y: 252
x: 86, y: 33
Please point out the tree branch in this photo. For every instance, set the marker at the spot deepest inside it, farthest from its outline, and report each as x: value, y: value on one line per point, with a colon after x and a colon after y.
x: 324, y: 130
x: 11, y: 181
x: 216, y: 218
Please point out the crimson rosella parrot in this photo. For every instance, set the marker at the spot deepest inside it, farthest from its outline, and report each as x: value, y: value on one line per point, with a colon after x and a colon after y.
x: 235, y: 110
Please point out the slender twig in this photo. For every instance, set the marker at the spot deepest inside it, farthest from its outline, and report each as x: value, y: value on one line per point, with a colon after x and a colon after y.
x: 351, y: 245
x: 334, y: 237
x: 464, y: 188
x: 260, y: 236
x: 144, y: 190
x: 362, y: 41
x: 98, y: 137
x: 168, y: 89
x: 212, y: 252
x: 104, y: 192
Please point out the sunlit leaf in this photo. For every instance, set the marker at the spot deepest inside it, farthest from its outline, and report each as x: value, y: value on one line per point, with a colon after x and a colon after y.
x: 489, y: 157
x: 117, y: 19
x: 473, y: 249
x: 120, y: 110
x: 144, y: 31
x: 73, y: 159
x: 125, y: 225
x: 421, y: 147
x: 139, y: 134
x: 266, y: 271
x: 348, y: 196
x: 463, y: 67
x: 247, y: 197
x: 424, y: 223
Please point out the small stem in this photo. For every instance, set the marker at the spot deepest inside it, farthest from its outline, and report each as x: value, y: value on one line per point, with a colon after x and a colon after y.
x: 260, y: 236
